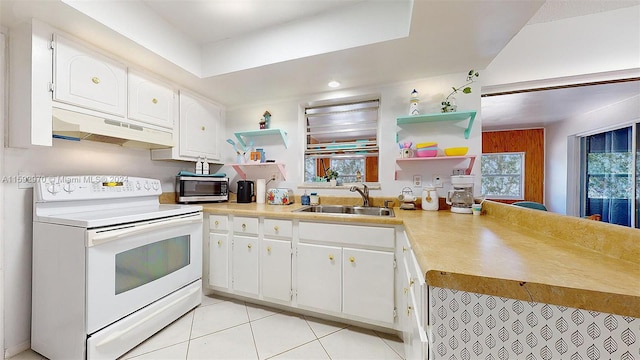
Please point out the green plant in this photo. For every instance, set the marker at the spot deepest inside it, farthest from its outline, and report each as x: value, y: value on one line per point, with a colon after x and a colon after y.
x: 448, y: 104
x: 331, y: 174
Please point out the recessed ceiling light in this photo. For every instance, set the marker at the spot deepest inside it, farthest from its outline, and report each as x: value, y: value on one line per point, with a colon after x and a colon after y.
x: 333, y: 84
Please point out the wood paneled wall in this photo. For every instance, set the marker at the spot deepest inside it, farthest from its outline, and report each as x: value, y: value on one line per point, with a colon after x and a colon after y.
x: 531, y: 142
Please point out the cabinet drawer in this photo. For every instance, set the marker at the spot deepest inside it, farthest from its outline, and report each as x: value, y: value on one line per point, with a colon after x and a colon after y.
x: 280, y: 228
x: 369, y: 236
x: 244, y: 225
x: 218, y: 223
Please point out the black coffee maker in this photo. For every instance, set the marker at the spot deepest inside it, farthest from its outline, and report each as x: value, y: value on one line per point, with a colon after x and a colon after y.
x: 245, y: 191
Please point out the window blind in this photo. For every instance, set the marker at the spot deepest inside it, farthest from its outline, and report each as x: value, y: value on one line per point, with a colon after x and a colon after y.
x: 347, y: 129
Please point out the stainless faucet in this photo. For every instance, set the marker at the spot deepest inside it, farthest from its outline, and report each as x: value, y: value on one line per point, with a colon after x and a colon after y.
x: 364, y: 194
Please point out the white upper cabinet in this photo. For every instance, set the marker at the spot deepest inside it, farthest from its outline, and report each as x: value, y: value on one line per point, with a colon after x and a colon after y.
x: 150, y: 100
x: 53, y: 72
x: 88, y: 79
x: 198, y: 132
x: 200, y: 125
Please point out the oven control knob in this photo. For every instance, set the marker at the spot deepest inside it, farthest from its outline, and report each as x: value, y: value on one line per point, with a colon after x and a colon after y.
x: 138, y: 186
x: 68, y: 187
x: 53, y: 188
x: 155, y: 186
x: 146, y: 185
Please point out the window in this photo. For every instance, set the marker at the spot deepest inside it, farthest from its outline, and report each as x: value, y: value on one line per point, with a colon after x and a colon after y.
x: 342, y: 137
x: 607, y: 176
x: 503, y: 175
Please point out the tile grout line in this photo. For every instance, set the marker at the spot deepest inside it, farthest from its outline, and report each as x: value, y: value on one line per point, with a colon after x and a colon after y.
x: 295, y: 347
x: 318, y: 338
x: 389, y: 346
x: 253, y: 336
x: 193, y: 319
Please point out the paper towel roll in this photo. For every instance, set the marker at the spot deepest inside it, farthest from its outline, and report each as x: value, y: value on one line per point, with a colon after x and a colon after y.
x: 261, y: 189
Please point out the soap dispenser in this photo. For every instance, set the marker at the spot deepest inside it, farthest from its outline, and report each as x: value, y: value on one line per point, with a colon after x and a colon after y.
x: 305, y: 199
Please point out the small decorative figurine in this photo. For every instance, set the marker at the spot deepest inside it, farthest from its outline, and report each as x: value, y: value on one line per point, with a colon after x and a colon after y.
x: 405, y: 149
x: 267, y: 119
x: 413, y: 103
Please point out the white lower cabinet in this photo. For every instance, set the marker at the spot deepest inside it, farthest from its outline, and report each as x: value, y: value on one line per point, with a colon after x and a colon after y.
x: 368, y: 284
x: 219, y: 260
x: 348, y: 270
x: 412, y: 308
x: 341, y: 270
x: 415, y: 339
x: 319, y: 273
x: 245, y: 264
x: 275, y: 266
x: 216, y: 261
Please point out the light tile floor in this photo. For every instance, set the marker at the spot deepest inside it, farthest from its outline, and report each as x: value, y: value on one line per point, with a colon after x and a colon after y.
x: 223, y: 328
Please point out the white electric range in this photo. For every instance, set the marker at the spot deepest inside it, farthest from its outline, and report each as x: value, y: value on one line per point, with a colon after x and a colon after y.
x: 111, y: 265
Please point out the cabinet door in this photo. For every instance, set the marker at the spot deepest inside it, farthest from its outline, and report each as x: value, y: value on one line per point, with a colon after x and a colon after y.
x: 87, y: 79
x: 219, y: 260
x: 199, y: 127
x: 368, y: 280
x: 151, y: 100
x: 245, y: 264
x: 416, y: 344
x: 275, y: 261
x: 319, y: 276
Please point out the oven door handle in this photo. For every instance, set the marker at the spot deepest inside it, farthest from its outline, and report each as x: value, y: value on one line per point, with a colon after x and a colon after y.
x: 141, y: 229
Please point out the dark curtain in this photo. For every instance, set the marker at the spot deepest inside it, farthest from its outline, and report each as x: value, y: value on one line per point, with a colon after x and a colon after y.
x: 608, y: 192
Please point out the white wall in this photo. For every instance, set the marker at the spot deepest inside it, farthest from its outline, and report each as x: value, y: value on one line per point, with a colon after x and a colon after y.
x: 602, y: 42
x: 587, y: 48
x: 394, y: 102
x: 3, y: 114
x: 64, y: 158
x: 560, y: 186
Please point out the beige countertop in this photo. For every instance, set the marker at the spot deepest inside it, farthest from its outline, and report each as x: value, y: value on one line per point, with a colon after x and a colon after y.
x: 509, y: 251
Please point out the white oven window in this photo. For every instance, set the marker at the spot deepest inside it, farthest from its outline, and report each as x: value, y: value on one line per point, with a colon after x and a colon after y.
x: 144, y: 264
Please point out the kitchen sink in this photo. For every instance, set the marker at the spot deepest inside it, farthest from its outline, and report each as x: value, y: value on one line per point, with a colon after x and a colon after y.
x: 348, y: 210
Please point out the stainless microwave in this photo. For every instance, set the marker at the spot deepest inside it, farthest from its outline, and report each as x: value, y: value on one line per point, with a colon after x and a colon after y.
x: 201, y: 189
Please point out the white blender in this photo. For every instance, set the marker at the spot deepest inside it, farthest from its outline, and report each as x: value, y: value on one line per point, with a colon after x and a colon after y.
x: 461, y: 197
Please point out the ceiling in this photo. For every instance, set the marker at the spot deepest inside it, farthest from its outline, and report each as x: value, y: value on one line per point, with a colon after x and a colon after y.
x: 546, y: 106
x: 258, y: 51
x: 207, y: 21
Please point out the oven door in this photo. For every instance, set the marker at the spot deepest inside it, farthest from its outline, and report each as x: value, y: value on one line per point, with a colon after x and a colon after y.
x: 130, y: 266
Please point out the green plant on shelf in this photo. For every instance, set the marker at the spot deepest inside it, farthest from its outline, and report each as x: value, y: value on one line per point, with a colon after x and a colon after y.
x: 449, y: 103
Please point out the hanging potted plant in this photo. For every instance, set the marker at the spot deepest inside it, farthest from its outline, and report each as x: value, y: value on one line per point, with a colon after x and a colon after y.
x: 449, y: 103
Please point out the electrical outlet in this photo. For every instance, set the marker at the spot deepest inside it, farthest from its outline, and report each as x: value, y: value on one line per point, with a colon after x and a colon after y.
x: 273, y: 177
x: 437, y: 181
x: 459, y: 171
x: 417, y: 181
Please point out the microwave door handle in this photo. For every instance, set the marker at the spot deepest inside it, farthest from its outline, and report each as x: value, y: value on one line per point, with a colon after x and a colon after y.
x: 139, y: 229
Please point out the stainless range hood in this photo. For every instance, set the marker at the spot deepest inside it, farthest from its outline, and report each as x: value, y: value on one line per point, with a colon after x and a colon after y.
x: 76, y: 126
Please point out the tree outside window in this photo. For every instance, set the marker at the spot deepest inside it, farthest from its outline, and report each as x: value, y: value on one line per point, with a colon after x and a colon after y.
x: 503, y: 175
